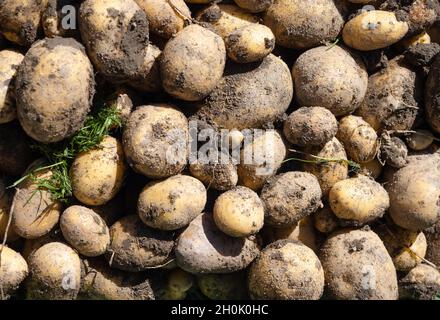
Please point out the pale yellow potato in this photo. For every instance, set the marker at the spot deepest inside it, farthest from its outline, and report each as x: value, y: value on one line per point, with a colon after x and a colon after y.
x: 13, y: 270
x: 173, y: 203
x: 254, y: 5
x: 230, y: 286
x: 239, y: 212
x: 9, y: 62
x: 371, y: 168
x: 357, y: 201
x: 325, y: 220
x: 219, y: 176
x: 5, y: 206
x: 421, y: 283
x: 250, y: 43
x: 149, y: 78
x: 419, y: 140
x: 359, y: 139
x: 54, y: 273
x: 97, y: 175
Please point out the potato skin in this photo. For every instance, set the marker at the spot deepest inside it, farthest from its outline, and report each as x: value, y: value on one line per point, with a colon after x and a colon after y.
x: 149, y: 134
x: 331, y: 78
x: 9, y: 62
x: 65, y: 90
x: 254, y: 5
x: 217, y: 176
x: 97, y: 175
x: 173, y: 203
x: 290, y: 197
x: 149, y: 78
x: 13, y: 271
x: 202, y: 248
x: 85, y: 230
x: 230, y: 286
x: 282, y: 268
x: 325, y: 220
x: 185, y: 77
x: 358, y: 255
x: 302, y: 25
x: 54, y: 273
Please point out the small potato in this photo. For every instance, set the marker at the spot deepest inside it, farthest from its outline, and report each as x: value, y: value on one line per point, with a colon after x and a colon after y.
x: 230, y: 286
x: 178, y: 284
x: 59, y: 18
x: 239, y: 212
x: 97, y: 175
x: 217, y: 176
x: 393, y: 151
x: 358, y: 201
x: 250, y: 43
x: 359, y: 139
x: 186, y: 77
x: 325, y: 220
x: 203, y: 248
x: 415, y: 40
x: 361, y: 257
x: 54, y: 273
x: 13, y: 271
x: 331, y: 78
x: 281, y: 271
x: 421, y: 283
x: 173, y: 203
x: 254, y: 5
x: 5, y: 206
x: 9, y: 63
x: 310, y: 127
x: 136, y: 247
x: 85, y: 231
x: 289, y: 197
x: 371, y: 168
x: 155, y: 141
x: 373, y: 30
x: 420, y: 140
x: 149, y: 78
x: 65, y: 90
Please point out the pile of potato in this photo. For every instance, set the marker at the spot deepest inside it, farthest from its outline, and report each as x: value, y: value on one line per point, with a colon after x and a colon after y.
x: 346, y: 94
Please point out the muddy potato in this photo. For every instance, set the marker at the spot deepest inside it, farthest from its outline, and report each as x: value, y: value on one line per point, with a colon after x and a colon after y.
x: 5, y: 206
x: 59, y: 18
x: 371, y: 168
x: 203, y: 248
x: 13, y: 271
x: 85, y: 230
x: 357, y: 201
x: 65, y: 90
x: 155, y: 141
x: 254, y: 5
x: 373, y: 30
x: 115, y: 33
x: 392, y: 151
x: 290, y: 197
x: 135, y: 247
x: 325, y: 220
x: 419, y: 140
x: 218, y: 176
x: 20, y: 20
x: 261, y: 158
x: 421, y: 283
x: 230, y: 286
x: 304, y: 24
x: 9, y: 62
x: 173, y: 203
x: 239, y: 212
x: 186, y: 77
x: 97, y: 175
x: 282, y: 269
x: 361, y: 257
x: 149, y: 76
x: 432, y: 105
x: 331, y: 78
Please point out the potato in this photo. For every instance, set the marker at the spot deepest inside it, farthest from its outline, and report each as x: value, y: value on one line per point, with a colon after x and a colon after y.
x: 85, y: 230
x: 393, y: 151
x: 421, y: 283
x: 371, y: 168
x: 231, y: 286
x: 304, y: 24
x: 414, y: 40
x: 419, y: 140
x: 185, y: 77
x: 13, y: 271
x: 218, y: 176
x: 34, y: 212
x: 254, y: 5
x: 59, y: 18
x: 357, y: 201
x: 373, y: 30
x: 357, y: 266
x: 310, y: 126
x: 65, y: 91
x: 433, y: 240
x: 9, y: 62
x: 239, y: 212
x: 100, y: 282
x: 20, y: 20
x: 115, y: 33
x: 359, y: 139
x: 97, y: 175
x: 391, y: 101
x: 331, y: 78
x: 432, y: 106
x: 5, y: 206
x: 136, y: 247
x: 149, y: 138
x: 179, y: 282
x: 250, y: 43
x: 149, y: 78
x: 249, y: 96
x: 166, y: 18
x: 203, y: 248
x: 173, y: 203
x: 261, y: 158
x: 281, y: 271
x: 410, y: 207
x: 325, y: 220
x: 289, y: 197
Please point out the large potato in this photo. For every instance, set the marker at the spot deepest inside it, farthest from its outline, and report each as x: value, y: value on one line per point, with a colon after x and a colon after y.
x: 286, y: 270
x: 65, y: 90
x: 97, y: 175
x: 13, y: 271
x: 357, y: 266
x: 9, y: 63
x: 203, y: 248
x: 330, y: 78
